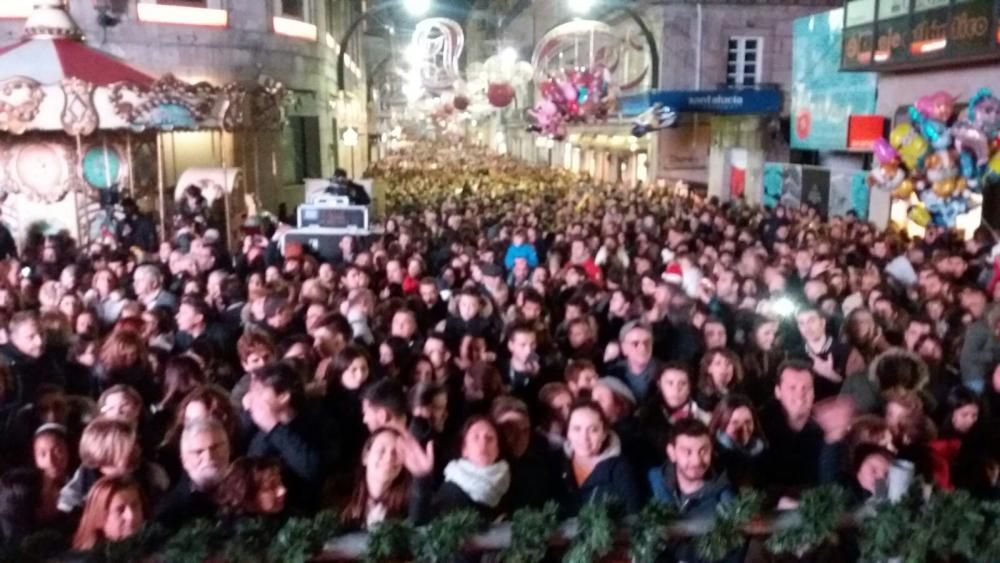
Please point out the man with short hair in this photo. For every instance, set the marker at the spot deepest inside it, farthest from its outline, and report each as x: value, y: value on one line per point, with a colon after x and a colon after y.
x: 828, y: 357
x: 803, y: 451
x: 147, y: 282
x: 687, y: 483
x: 523, y: 373
x: 638, y: 368
x: 275, y: 406
x: 25, y: 356
x: 205, y: 452
x: 383, y: 405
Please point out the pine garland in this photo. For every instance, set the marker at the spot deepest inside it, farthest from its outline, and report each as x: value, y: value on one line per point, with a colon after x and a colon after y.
x: 193, y: 543
x: 440, y: 540
x: 646, y: 536
x: 249, y: 540
x: 820, y: 511
x: 530, y: 531
x: 726, y: 532
x: 388, y: 541
x: 301, y: 538
x: 917, y: 529
x: 595, y: 533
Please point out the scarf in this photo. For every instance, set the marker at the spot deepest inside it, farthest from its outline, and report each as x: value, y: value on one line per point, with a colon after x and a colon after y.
x: 484, y: 485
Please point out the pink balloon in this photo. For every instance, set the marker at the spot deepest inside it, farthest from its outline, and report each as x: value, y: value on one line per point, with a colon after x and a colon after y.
x: 884, y: 152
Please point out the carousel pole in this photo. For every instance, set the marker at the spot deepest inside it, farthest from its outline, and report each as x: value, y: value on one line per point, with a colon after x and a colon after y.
x: 107, y: 161
x: 131, y: 168
x: 256, y: 165
x: 76, y: 191
x: 225, y: 186
x: 160, y: 186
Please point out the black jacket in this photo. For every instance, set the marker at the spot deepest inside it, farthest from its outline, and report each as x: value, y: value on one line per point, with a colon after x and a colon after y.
x: 182, y: 504
x: 297, y: 445
x: 533, y: 476
x: 613, y: 477
x: 795, y: 460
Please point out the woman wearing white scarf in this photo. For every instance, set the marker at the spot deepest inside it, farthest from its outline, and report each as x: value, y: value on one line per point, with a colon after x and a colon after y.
x: 479, y: 479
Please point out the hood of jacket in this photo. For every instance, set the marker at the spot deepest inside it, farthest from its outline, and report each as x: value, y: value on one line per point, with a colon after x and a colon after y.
x: 919, y: 379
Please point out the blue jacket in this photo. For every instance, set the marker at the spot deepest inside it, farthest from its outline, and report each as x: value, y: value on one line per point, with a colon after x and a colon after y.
x: 525, y: 251
x: 700, y: 505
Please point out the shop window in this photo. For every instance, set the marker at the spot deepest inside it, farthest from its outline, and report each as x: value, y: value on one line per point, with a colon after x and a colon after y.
x: 300, y: 148
x: 743, y: 61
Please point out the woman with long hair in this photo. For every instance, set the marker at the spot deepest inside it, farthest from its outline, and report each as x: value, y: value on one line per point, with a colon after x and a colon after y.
x: 739, y: 439
x: 391, y: 480
x: 594, y: 467
x: 761, y: 358
x: 251, y: 487
x: 344, y: 379
x: 115, y: 509
x: 719, y: 374
x: 123, y: 359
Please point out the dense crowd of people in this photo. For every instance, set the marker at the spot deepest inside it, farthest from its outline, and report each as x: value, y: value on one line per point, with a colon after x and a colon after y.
x: 516, y: 335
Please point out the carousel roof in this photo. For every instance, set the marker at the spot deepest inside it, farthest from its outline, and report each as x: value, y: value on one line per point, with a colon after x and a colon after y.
x: 52, y: 51
x: 52, y: 60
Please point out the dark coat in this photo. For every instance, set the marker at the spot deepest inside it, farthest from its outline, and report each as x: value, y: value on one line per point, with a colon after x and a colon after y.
x: 297, y: 445
x: 699, y: 505
x: 183, y: 504
x: 613, y: 477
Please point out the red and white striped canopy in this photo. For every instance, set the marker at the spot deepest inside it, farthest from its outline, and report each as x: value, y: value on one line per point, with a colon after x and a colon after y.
x: 52, y: 60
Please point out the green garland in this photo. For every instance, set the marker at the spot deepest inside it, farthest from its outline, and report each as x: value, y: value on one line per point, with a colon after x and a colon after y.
x: 726, y: 532
x: 440, y: 540
x: 820, y: 511
x: 921, y: 527
x: 388, y: 541
x: 594, y: 535
x: 530, y: 532
x: 945, y: 525
x: 301, y: 538
x: 646, y: 536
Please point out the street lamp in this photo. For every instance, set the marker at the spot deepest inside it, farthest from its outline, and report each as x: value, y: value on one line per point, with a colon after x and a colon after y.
x: 581, y: 7
x: 415, y: 8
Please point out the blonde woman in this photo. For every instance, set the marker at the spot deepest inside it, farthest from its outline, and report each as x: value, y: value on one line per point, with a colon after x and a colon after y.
x: 109, y: 447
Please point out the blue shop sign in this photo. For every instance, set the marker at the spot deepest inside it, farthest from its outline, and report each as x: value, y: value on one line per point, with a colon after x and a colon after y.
x: 728, y: 102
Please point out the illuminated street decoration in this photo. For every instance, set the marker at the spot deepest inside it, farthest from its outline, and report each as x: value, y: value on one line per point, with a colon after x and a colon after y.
x: 434, y: 52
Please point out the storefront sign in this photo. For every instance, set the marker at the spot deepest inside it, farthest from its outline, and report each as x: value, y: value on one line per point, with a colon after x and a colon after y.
x: 726, y: 102
x: 930, y: 33
x: 862, y: 130
x: 823, y: 97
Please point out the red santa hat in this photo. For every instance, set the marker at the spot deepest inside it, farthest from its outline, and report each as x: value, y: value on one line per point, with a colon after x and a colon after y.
x: 673, y: 273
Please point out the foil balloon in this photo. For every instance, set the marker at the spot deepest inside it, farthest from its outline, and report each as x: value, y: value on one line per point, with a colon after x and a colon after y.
x: 943, y: 211
x: 931, y: 114
x: 919, y: 215
x: 910, y: 145
x: 653, y: 119
x: 942, y: 174
x: 974, y: 133
x: 889, y: 174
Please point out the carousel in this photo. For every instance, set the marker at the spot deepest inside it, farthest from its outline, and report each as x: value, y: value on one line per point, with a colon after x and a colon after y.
x: 80, y: 129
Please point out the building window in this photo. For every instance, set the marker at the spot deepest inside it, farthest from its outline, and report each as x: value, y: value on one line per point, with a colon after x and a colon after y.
x: 743, y: 61
x: 293, y: 9
x: 300, y: 148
